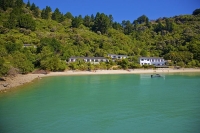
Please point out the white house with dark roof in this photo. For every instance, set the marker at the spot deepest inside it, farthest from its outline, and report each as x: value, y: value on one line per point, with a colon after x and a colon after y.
x: 156, y: 61
x: 89, y: 59
x: 115, y: 56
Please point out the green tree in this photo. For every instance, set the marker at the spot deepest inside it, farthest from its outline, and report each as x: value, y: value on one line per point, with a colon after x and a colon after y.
x: 22, y: 63
x: 11, y: 22
x: 28, y: 4
x: 101, y: 23
x: 135, y: 23
x: 19, y: 3
x: 3, y: 68
x: 195, y: 49
x: 117, y: 26
x: 10, y: 3
x: 124, y: 63
x: 69, y: 15
x: 76, y: 22
x: 53, y: 64
x: 159, y: 27
x: 12, y: 47
x: 26, y: 21
x: 36, y: 12
x: 196, y: 12
x: 33, y: 7
x: 128, y: 28
x: 142, y: 19
x: 87, y: 21
x: 3, y: 5
x: 30, y: 53
x: 56, y: 15
x: 44, y: 15
x: 3, y: 51
x: 169, y: 25
x: 46, y: 12
x: 111, y: 20
x: 52, y: 43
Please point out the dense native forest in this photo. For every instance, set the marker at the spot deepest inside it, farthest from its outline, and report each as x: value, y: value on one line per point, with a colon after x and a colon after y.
x: 54, y: 37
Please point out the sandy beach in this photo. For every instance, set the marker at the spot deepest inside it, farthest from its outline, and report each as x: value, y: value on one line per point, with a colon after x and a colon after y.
x: 23, y: 79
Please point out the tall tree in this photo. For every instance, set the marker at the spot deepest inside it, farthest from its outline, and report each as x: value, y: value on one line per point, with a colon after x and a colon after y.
x: 117, y: 26
x: 76, y: 22
x: 33, y: 7
x: 101, y: 23
x: 3, y: 67
x: 26, y: 21
x: 142, y: 19
x: 159, y: 27
x: 87, y: 21
x: 28, y: 4
x: 3, y: 5
x: 196, y: 12
x: 46, y: 12
x: 22, y: 63
x: 11, y: 22
x: 69, y: 15
x: 111, y: 19
x: 19, y: 3
x: 56, y: 15
x: 169, y: 25
x: 43, y: 14
x: 36, y: 12
x: 135, y: 23
x: 128, y: 27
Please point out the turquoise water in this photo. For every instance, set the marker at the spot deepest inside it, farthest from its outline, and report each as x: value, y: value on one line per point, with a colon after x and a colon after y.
x: 104, y: 104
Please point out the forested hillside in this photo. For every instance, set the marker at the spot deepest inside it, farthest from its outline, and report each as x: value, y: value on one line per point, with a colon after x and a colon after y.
x: 55, y: 37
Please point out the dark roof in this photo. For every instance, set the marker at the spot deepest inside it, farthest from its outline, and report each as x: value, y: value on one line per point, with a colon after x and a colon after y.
x: 117, y: 55
x: 151, y: 57
x: 27, y: 44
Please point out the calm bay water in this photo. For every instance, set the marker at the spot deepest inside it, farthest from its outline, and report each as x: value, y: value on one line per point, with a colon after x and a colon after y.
x: 104, y: 104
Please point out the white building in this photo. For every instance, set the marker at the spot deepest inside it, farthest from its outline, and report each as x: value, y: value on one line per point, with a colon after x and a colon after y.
x: 156, y: 61
x: 89, y: 59
x: 115, y: 56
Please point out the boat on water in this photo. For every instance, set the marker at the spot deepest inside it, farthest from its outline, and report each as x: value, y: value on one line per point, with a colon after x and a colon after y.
x: 156, y: 76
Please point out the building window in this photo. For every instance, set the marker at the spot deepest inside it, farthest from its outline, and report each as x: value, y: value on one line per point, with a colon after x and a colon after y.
x: 142, y: 59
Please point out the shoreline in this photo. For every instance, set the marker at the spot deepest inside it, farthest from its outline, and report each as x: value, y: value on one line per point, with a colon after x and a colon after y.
x: 20, y: 80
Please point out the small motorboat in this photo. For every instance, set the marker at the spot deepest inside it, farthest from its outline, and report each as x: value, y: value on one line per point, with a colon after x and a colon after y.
x: 156, y: 76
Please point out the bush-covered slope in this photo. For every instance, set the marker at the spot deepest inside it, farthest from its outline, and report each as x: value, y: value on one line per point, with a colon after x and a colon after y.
x: 56, y: 37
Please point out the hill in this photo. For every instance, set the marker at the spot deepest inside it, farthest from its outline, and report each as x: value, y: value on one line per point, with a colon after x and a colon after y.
x: 54, y: 37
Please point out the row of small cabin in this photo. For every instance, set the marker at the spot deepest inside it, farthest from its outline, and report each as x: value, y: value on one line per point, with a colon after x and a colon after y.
x: 156, y: 61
